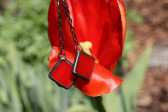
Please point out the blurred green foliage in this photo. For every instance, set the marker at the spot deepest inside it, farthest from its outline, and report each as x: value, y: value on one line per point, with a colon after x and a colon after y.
x: 24, y: 49
x: 134, y: 15
x: 24, y: 24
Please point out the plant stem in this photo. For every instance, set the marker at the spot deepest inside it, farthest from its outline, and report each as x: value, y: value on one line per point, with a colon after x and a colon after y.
x: 99, y: 104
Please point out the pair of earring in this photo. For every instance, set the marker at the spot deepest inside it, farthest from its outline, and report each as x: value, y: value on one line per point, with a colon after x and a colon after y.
x: 65, y: 73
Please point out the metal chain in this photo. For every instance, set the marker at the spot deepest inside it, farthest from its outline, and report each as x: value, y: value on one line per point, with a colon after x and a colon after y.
x: 60, y: 35
x: 72, y: 29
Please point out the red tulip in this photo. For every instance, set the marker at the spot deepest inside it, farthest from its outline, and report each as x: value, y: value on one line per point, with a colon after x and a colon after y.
x: 100, y: 26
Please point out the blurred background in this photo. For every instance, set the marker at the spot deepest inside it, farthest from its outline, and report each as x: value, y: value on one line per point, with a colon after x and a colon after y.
x: 24, y: 49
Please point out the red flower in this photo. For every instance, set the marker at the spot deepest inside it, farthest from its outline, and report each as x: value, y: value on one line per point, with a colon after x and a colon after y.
x: 101, y: 26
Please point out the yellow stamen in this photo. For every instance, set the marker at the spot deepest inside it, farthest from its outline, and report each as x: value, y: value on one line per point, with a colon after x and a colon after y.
x: 86, y: 46
x: 96, y: 61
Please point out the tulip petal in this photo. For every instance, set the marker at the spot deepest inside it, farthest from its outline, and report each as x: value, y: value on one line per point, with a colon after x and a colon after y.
x: 114, y: 46
x: 102, y: 81
x: 123, y: 19
x: 53, y: 27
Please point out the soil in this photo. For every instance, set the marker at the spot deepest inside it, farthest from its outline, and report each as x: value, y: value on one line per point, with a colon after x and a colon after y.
x: 153, y: 96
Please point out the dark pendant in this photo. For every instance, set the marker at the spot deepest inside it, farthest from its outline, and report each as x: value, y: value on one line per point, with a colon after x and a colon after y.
x: 62, y: 73
x: 83, y: 65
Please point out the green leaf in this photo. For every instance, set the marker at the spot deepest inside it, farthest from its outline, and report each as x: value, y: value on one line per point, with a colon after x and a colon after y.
x: 134, y: 80
x: 112, y: 102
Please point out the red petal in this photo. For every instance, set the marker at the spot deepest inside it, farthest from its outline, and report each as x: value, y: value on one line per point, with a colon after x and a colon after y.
x: 123, y: 19
x: 102, y: 81
x: 53, y: 27
x: 114, y: 46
